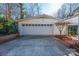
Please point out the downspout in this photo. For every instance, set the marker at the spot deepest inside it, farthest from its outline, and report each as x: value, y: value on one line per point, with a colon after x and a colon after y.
x: 78, y: 26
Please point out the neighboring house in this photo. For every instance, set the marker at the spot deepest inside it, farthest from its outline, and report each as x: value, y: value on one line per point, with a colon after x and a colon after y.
x: 38, y: 25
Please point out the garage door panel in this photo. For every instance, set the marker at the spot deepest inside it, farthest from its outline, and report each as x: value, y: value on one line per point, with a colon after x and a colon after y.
x: 37, y: 30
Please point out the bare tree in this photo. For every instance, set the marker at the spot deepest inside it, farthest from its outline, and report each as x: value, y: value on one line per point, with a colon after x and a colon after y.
x: 20, y: 5
x: 62, y: 11
x: 61, y: 25
x: 38, y: 8
x: 6, y: 10
x: 17, y: 10
x: 9, y: 10
x: 33, y: 9
x: 68, y: 9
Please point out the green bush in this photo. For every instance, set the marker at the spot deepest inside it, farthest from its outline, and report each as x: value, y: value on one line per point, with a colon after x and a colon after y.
x: 72, y: 30
x: 8, y: 26
x: 72, y: 33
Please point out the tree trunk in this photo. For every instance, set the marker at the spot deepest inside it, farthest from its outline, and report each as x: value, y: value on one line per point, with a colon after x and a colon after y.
x: 8, y: 11
x: 60, y: 32
x: 21, y: 10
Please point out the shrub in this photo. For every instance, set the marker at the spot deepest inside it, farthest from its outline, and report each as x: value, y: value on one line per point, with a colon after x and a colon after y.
x: 8, y: 26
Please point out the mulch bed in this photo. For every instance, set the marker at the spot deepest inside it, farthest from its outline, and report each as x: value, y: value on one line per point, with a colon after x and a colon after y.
x: 5, y: 38
x: 68, y: 41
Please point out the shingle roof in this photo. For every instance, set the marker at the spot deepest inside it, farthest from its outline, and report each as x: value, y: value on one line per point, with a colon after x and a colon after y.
x: 39, y: 17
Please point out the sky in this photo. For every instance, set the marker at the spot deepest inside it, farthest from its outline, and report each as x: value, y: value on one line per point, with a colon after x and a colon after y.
x: 51, y: 8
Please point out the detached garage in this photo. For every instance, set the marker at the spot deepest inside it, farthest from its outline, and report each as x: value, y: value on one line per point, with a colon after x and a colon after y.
x: 39, y: 25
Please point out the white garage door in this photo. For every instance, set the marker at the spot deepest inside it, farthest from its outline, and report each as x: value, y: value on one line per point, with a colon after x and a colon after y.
x: 36, y: 29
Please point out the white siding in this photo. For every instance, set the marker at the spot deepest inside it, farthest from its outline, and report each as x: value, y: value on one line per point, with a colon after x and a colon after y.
x: 38, y: 30
x: 73, y: 21
x: 35, y: 30
x: 57, y: 32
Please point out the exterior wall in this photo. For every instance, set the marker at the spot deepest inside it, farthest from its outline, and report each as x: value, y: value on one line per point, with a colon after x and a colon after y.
x: 65, y: 30
x: 20, y: 28
x: 72, y: 25
x: 57, y: 32
x: 35, y: 30
x: 42, y: 30
x: 52, y: 30
x: 73, y: 21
